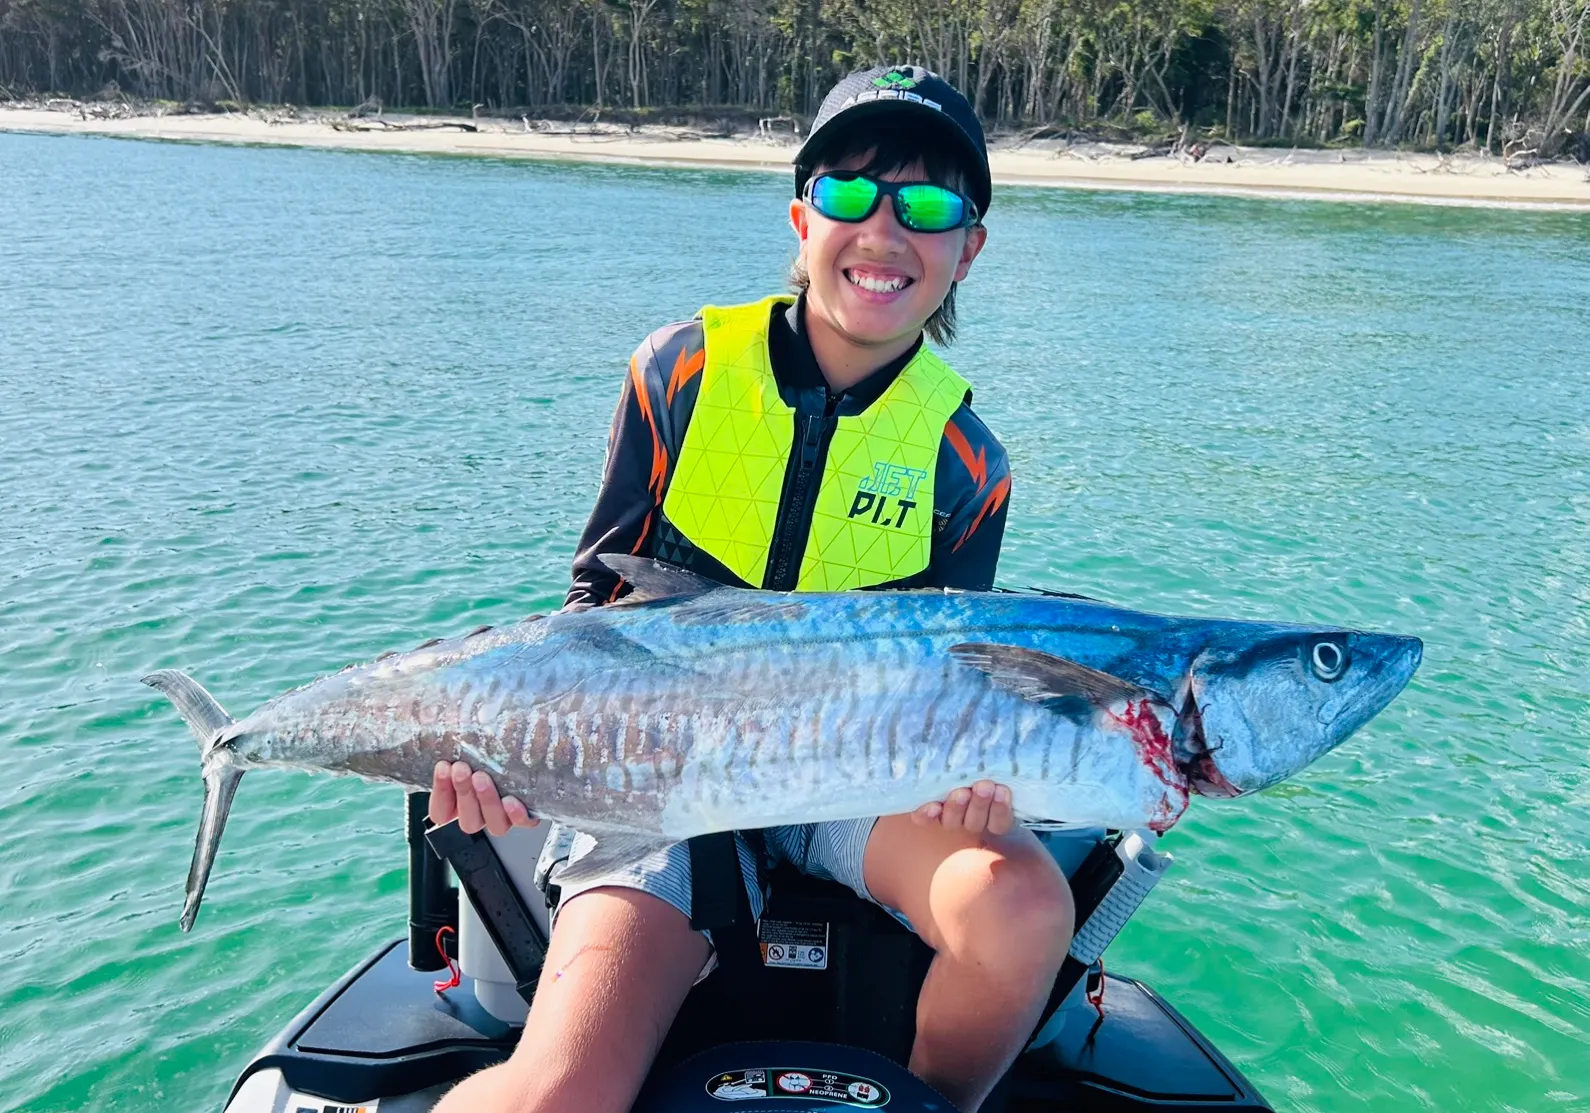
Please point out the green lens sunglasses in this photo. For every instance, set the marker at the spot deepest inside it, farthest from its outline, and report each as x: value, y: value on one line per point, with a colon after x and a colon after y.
x: 919, y: 206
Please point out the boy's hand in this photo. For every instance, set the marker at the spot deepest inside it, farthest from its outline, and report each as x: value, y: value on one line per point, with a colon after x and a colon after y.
x: 471, y: 798
x: 984, y: 807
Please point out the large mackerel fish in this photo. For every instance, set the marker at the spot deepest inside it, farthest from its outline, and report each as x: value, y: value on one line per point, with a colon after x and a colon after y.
x: 690, y: 707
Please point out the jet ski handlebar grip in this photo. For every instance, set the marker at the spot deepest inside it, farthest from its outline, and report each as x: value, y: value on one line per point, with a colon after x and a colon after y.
x: 1141, y: 868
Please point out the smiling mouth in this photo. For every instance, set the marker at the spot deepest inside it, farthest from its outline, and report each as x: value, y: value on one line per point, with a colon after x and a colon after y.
x: 877, y: 283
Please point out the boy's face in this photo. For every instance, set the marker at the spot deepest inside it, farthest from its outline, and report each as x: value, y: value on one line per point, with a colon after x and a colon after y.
x: 875, y: 282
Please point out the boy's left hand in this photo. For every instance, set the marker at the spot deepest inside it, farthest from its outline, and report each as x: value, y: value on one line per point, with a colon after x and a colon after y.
x: 983, y: 808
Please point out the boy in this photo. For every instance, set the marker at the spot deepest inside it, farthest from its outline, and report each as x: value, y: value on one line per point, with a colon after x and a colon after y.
x: 809, y: 443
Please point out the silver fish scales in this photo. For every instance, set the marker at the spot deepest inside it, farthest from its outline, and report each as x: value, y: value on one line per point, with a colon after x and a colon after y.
x: 692, y: 707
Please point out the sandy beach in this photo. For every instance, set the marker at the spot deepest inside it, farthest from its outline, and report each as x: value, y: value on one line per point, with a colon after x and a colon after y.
x: 1344, y: 175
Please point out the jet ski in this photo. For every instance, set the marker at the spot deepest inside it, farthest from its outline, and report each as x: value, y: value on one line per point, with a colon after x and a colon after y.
x: 812, y: 1011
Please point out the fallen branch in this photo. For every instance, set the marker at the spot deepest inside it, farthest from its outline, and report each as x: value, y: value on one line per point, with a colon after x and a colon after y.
x: 767, y: 127
x: 1443, y: 165
x: 1158, y: 150
x: 1219, y: 150
x: 387, y: 125
x: 1045, y: 131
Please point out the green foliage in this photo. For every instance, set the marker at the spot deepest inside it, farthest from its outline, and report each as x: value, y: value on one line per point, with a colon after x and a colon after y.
x: 1293, y: 71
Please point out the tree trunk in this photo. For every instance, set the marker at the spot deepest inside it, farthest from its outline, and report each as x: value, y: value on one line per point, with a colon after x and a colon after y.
x: 596, y: 51
x: 1372, y: 101
x: 1568, y: 27
x: 1397, y: 106
x: 431, y: 21
x: 1441, y: 109
x: 1296, y: 35
x: 1231, y: 100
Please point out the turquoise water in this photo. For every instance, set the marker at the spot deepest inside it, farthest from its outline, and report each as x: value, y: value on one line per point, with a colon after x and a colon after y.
x: 265, y: 412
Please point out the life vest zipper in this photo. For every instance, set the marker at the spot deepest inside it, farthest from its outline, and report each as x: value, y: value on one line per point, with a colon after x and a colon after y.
x: 794, y: 520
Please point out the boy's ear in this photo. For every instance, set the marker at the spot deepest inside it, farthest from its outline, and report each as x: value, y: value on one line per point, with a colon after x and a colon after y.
x: 799, y: 219
x: 976, y: 236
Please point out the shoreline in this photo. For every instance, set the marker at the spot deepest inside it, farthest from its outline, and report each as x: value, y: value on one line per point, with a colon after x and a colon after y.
x: 1467, y: 180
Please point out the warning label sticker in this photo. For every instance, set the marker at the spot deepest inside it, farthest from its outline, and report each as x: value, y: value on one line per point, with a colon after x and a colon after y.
x: 794, y: 944
x: 802, y: 1082
x: 738, y: 1085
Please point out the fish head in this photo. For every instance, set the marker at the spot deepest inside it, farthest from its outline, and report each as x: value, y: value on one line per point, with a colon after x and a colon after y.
x: 1257, y: 710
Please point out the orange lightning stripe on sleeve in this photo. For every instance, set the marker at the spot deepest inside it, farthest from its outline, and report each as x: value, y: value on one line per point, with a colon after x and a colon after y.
x: 995, y: 499
x: 685, y: 370
x: 659, y: 459
x: 976, y: 464
x: 659, y: 452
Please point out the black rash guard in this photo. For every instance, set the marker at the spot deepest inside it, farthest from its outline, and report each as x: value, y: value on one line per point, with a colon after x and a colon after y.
x: 971, y: 484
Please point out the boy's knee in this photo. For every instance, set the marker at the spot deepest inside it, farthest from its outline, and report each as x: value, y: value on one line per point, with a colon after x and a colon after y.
x: 1005, y: 911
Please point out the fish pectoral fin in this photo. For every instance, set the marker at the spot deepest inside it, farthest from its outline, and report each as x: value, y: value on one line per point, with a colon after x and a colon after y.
x: 611, y: 852
x: 653, y: 579
x: 1044, y: 678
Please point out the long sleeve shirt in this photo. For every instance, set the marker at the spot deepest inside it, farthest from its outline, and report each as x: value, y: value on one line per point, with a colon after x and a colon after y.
x: 971, y: 485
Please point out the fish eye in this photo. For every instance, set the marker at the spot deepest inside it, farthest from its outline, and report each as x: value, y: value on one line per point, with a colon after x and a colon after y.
x: 1329, y: 660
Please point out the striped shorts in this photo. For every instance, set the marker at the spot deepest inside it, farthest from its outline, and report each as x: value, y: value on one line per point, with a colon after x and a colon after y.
x: 831, y: 851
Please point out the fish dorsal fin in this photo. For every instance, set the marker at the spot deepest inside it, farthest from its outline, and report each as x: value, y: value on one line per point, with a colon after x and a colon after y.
x: 652, y: 579
x: 1043, y: 677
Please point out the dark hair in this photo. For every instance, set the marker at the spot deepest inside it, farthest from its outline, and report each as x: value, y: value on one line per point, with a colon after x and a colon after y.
x: 887, y: 152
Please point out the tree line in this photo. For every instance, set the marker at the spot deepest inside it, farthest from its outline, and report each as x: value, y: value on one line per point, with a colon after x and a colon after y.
x: 1491, y: 74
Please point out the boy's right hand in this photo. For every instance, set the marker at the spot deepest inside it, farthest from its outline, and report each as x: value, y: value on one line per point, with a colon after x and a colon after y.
x: 471, y: 798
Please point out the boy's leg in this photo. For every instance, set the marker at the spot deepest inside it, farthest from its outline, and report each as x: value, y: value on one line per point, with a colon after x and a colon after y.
x: 998, y: 912
x: 618, y: 967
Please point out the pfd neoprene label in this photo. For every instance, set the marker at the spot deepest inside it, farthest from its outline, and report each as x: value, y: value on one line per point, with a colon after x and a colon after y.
x: 796, y: 1083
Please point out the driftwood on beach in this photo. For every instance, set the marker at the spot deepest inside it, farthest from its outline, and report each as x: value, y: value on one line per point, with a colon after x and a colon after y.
x: 379, y: 124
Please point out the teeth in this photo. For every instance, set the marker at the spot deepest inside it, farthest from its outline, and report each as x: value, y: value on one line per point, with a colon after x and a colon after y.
x: 877, y: 285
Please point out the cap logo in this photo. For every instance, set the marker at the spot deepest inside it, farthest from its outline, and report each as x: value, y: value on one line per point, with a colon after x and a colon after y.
x: 894, y: 79
x: 889, y: 94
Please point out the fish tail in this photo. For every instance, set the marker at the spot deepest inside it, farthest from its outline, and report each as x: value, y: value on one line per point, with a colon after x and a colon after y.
x: 208, y: 722
x: 205, y: 718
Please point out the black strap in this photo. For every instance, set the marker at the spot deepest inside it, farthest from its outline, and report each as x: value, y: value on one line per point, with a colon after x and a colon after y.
x: 433, y: 902
x: 714, y: 878
x: 502, y: 910
x: 718, y: 901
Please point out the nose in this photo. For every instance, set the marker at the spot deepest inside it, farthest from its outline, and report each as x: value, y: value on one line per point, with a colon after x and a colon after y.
x: 881, y: 232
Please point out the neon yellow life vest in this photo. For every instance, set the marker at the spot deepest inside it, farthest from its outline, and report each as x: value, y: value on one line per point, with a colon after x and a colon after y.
x: 873, y: 517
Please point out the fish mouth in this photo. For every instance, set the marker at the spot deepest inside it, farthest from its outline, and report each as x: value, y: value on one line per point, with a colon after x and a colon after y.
x: 1194, y: 757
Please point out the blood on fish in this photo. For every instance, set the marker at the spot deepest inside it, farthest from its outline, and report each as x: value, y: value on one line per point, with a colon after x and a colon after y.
x: 1165, y: 815
x: 1152, y: 744
x: 1154, y: 749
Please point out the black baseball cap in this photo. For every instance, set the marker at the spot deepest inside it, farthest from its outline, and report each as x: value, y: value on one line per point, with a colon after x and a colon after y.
x: 904, y: 92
